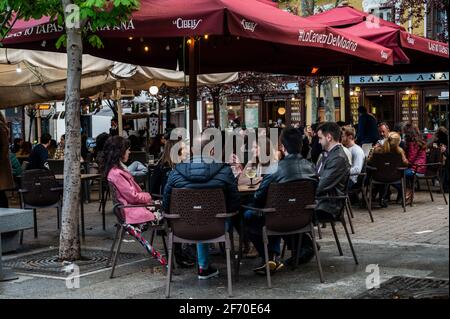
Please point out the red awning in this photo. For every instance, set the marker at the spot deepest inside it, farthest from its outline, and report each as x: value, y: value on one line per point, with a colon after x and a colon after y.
x: 417, y: 53
x: 243, y: 36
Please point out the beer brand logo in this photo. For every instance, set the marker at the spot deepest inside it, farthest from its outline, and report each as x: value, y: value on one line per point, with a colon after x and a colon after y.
x: 248, y: 25
x: 410, y: 40
x: 187, y: 24
x: 384, y: 55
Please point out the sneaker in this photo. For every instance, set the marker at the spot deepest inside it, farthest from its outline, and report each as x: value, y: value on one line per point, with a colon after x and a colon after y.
x: 207, y: 273
x: 274, y: 266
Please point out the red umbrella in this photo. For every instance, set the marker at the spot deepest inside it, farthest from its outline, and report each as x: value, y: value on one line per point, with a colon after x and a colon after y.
x: 226, y: 36
x: 417, y: 53
x: 243, y: 36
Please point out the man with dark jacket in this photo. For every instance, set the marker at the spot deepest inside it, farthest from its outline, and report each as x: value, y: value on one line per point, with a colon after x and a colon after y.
x: 203, y: 173
x: 39, y: 155
x: 367, y: 128
x: 293, y: 167
x: 333, y: 170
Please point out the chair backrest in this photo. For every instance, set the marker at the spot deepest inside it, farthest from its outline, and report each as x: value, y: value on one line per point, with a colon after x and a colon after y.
x: 434, y: 156
x: 197, y: 209
x: 38, y: 184
x: 118, y: 211
x: 56, y: 166
x: 139, y: 156
x: 289, y: 200
x: 386, y: 165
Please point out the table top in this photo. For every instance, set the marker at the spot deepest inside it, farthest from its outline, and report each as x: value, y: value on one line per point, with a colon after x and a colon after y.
x: 13, y: 211
x: 83, y: 176
x: 245, y: 188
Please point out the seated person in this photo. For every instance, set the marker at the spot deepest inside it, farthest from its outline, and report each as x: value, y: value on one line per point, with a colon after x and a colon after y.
x: 293, y: 167
x: 116, y: 152
x: 391, y: 145
x: 358, y: 157
x: 203, y: 172
x: 333, y: 171
x: 39, y: 155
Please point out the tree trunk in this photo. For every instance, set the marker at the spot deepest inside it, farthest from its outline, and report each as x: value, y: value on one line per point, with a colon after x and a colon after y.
x: 330, y: 114
x: 69, y: 245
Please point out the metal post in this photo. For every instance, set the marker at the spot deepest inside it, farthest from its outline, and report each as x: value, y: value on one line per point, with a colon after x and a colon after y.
x: 119, y: 108
x: 193, y: 63
x: 348, y: 110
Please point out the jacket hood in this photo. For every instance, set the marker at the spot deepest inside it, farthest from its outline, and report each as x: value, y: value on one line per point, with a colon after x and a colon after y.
x: 198, y: 171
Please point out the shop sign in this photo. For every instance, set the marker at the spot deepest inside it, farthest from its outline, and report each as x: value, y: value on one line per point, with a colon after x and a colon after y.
x: 399, y: 78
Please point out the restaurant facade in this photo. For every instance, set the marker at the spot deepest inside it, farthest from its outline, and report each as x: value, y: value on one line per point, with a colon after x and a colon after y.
x: 419, y: 98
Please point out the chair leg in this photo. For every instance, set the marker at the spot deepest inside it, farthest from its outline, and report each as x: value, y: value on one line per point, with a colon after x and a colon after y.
x: 169, y: 271
x: 116, y: 255
x: 350, y: 242
x: 35, y: 223
x: 266, y: 256
x: 228, y: 254
x: 348, y: 209
x: 350, y: 206
x: 403, y: 194
x: 118, y: 227
x: 21, y: 237
x: 333, y: 227
x: 367, y: 205
x: 316, y: 253
x: 319, y: 231
x: 442, y: 190
x: 429, y: 189
x: 58, y: 219
x: 163, y: 237
x: 103, y: 204
x: 283, y: 251
x: 152, y: 237
x: 297, y: 251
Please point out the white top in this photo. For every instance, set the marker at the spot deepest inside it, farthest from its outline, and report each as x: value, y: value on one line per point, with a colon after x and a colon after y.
x: 349, y: 155
x: 358, y: 157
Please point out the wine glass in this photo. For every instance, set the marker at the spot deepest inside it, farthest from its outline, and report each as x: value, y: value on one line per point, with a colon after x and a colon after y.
x: 250, y: 172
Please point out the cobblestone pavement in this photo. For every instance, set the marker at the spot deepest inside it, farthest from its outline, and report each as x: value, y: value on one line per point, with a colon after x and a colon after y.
x: 414, y: 243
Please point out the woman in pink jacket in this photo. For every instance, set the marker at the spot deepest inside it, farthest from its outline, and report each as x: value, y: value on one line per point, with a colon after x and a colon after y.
x: 115, y: 153
x: 416, y: 153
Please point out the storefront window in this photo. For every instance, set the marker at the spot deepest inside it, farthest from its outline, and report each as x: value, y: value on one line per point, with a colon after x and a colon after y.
x: 233, y: 114
x: 436, y: 109
x: 251, y: 114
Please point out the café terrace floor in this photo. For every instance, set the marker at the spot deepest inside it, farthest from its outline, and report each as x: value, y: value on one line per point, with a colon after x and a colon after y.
x: 414, y: 244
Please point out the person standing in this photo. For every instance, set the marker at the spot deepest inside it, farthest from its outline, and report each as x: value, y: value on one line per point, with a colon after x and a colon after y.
x: 6, y: 177
x: 367, y: 127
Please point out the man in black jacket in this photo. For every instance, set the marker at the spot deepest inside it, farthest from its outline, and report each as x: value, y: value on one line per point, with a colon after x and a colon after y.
x: 367, y: 128
x: 293, y: 167
x: 39, y: 155
x: 203, y: 173
x: 333, y: 170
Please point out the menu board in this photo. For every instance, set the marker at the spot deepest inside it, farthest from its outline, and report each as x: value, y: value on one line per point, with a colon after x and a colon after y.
x: 354, y: 104
x: 410, y: 108
x: 295, y: 112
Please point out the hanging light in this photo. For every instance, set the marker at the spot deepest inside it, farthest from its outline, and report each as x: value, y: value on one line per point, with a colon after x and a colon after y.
x: 189, y: 41
x: 352, y: 93
x: 146, y: 48
x: 206, y: 37
x: 18, y: 69
x: 153, y: 90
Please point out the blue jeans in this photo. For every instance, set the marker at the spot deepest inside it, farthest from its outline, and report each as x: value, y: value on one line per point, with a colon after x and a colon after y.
x: 203, y: 250
x: 255, y: 223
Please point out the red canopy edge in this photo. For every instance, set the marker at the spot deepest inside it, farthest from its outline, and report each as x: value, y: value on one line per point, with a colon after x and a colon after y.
x: 425, y: 45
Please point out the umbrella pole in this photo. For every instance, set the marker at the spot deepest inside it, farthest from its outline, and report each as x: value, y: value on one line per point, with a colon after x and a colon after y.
x: 193, y: 63
x: 119, y: 109
x: 348, y: 111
